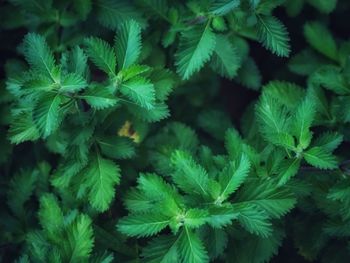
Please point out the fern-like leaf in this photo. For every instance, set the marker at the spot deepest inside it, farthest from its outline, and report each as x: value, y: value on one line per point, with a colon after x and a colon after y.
x: 39, y: 55
x: 101, y: 176
x: 195, y: 49
x: 143, y: 225
x: 274, y: 35
x: 140, y: 91
x: 102, y: 55
x: 191, y: 248
x: 47, y: 113
x: 128, y: 44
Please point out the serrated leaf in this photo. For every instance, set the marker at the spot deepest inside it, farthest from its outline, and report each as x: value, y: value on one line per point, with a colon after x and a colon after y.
x: 72, y: 83
x: 274, y: 35
x: 329, y: 141
x: 101, y: 54
x: 287, y: 93
x: 47, y: 113
x: 195, y: 49
x: 195, y: 218
x: 304, y: 116
x: 117, y: 147
x: 225, y: 60
x: 113, y: 14
x: 233, y: 176
x: 77, y: 61
x: 140, y: 91
x: 331, y: 78
x: 39, y: 55
x: 216, y: 240
x: 162, y: 249
x: 51, y: 216
x: 188, y: 175
x: 101, y: 176
x: 19, y: 191
x: 254, y: 220
x: 159, y: 112
x: 320, y: 158
x: 287, y: 169
x: 80, y: 239
x: 223, y: 7
x: 99, y: 97
x: 191, y: 248
x: 266, y: 195
x: 128, y: 44
x: 142, y: 225
x: 274, y: 121
x: 23, y: 128
x: 221, y: 216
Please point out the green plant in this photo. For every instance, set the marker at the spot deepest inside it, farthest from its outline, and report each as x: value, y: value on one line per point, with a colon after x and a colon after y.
x: 128, y: 133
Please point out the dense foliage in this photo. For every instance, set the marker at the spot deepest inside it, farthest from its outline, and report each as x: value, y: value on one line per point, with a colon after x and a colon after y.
x: 175, y: 131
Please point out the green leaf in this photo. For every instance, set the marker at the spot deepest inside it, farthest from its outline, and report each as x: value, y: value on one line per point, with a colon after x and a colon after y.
x: 195, y: 49
x: 117, y: 147
x: 72, y: 83
x: 101, y: 176
x: 275, y: 200
x: 274, y: 35
x: 320, y: 158
x: 220, y: 216
x: 51, y: 216
x: 162, y: 249
x: 216, y: 240
x: 287, y: 169
x: 223, y: 7
x: 77, y: 61
x: 304, y: 116
x: 195, y: 218
x: 318, y: 36
x: 225, y: 60
x: 254, y: 220
x: 99, y: 97
x: 23, y: 128
x: 154, y: 186
x: 286, y: 93
x: 160, y: 195
x: 233, y: 176
x: 101, y: 54
x: 20, y: 189
x: 274, y: 121
x: 188, y: 175
x: 113, y: 14
x: 191, y: 248
x: 329, y: 141
x: 128, y: 44
x: 331, y: 78
x: 164, y: 82
x: 39, y: 55
x: 140, y: 91
x: 80, y: 239
x: 267, y: 6
x: 47, y: 113
x: 143, y: 225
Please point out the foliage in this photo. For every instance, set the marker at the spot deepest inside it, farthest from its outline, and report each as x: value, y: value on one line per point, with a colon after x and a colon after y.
x: 174, y: 131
